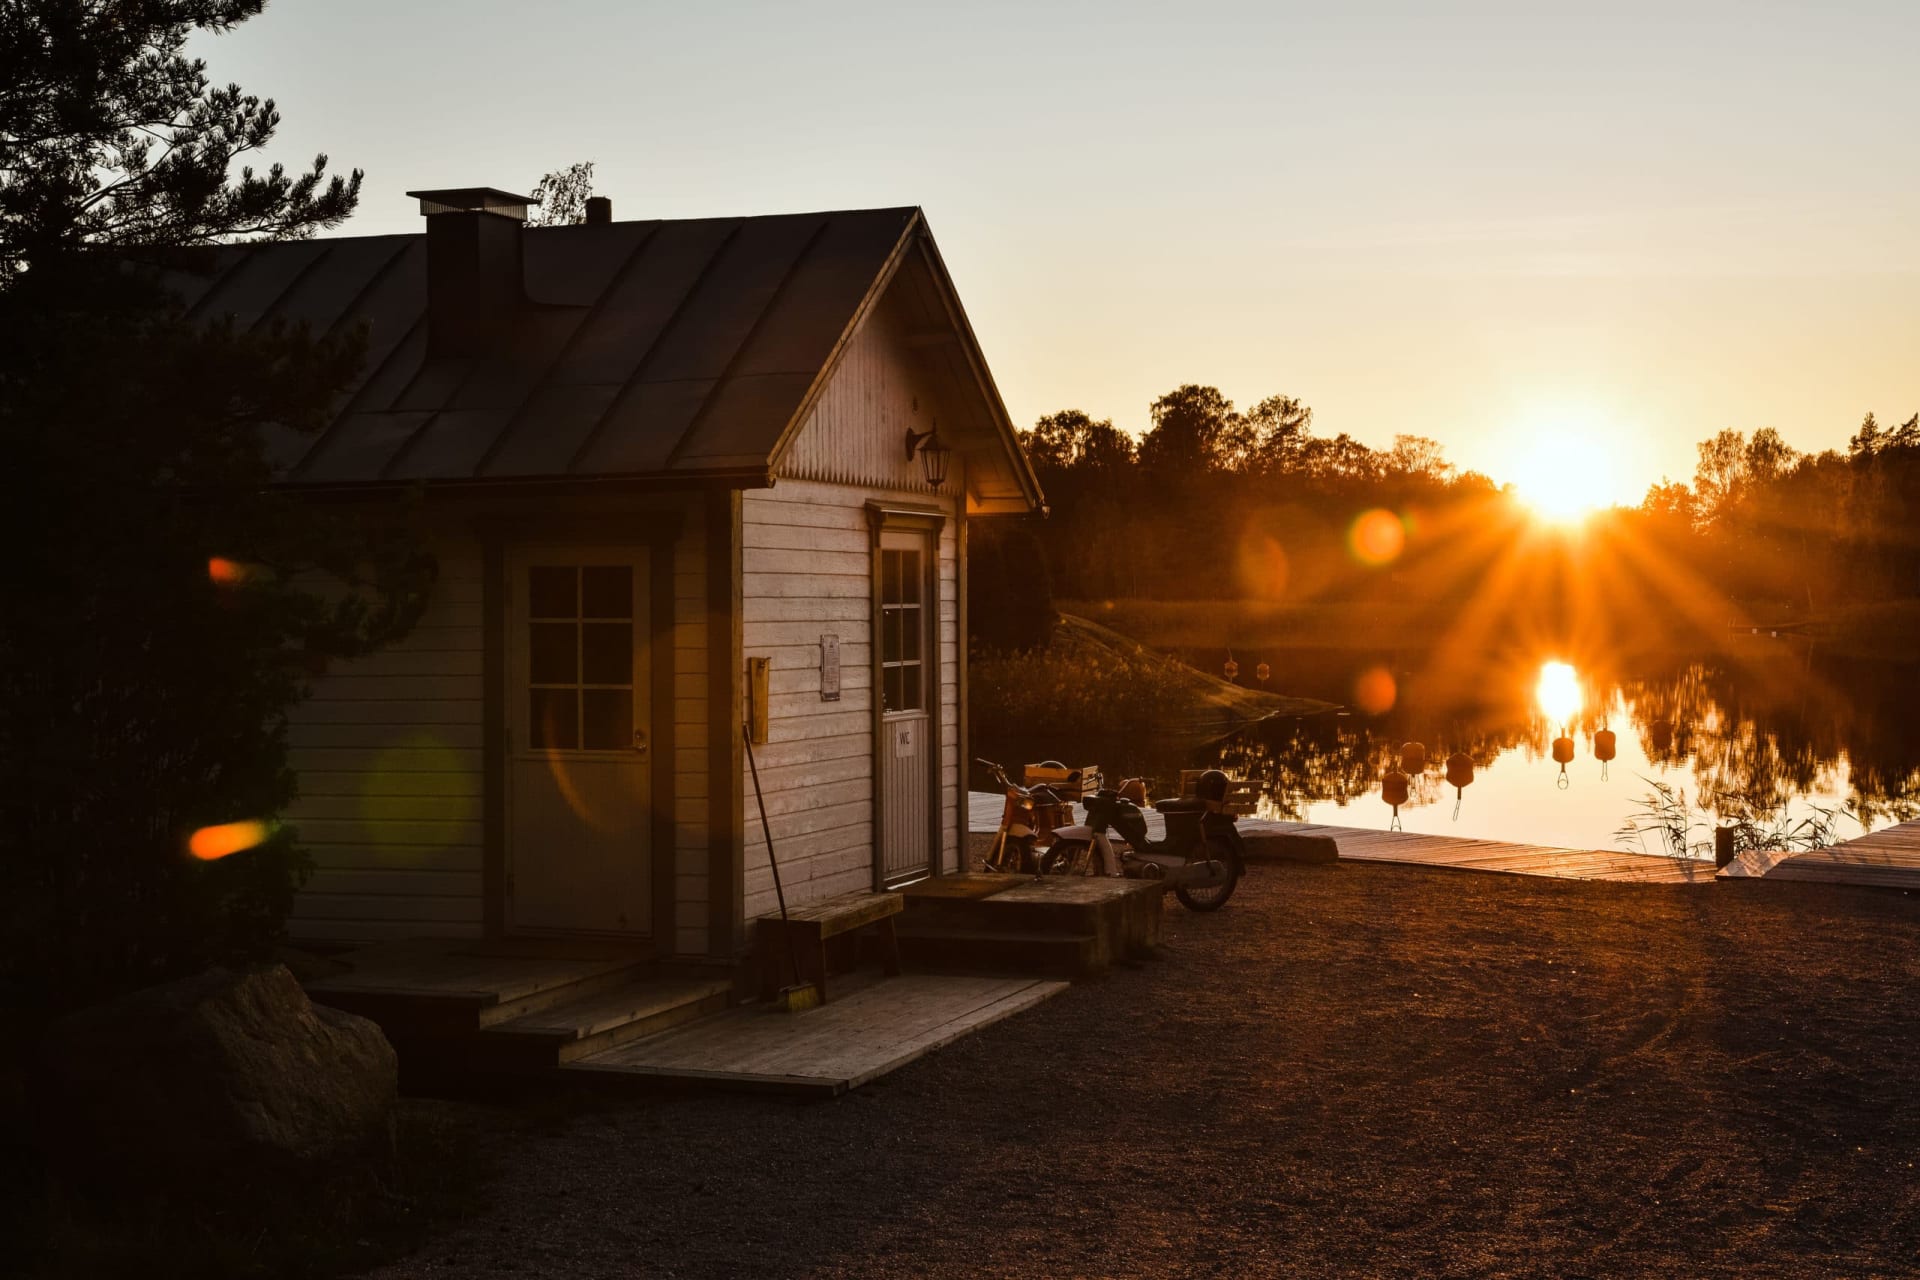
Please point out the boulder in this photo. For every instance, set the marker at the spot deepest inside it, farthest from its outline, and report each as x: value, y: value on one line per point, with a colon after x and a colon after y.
x: 221, y: 1073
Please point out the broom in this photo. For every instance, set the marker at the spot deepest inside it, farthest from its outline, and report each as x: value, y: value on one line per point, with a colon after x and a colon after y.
x: 802, y: 995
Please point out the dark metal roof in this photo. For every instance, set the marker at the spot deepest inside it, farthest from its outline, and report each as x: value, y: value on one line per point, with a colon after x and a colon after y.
x: 669, y: 348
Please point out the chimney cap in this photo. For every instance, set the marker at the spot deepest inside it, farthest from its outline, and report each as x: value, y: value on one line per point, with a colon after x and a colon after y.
x: 473, y: 200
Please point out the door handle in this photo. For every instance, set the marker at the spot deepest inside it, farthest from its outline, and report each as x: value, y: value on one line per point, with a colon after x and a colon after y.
x: 640, y: 741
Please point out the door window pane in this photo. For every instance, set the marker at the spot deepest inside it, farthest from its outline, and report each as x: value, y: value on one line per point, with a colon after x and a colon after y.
x: 910, y: 687
x: 890, y: 679
x: 608, y: 722
x: 910, y: 635
x: 606, y: 591
x: 551, y: 653
x: 553, y: 722
x: 550, y: 592
x: 606, y: 653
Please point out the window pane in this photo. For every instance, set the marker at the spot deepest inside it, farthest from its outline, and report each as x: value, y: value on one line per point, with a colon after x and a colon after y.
x: 889, y: 577
x: 550, y: 653
x: 891, y: 677
x: 609, y: 719
x: 910, y: 577
x: 555, y: 720
x: 910, y: 634
x: 909, y: 687
x: 606, y: 653
x: 550, y: 591
x: 606, y: 591
x: 889, y: 635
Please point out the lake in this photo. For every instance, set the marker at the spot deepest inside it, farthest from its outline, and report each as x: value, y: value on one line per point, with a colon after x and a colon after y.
x: 1766, y: 727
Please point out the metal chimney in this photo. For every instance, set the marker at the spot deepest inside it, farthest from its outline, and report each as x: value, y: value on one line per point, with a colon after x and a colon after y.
x: 599, y: 210
x: 474, y: 280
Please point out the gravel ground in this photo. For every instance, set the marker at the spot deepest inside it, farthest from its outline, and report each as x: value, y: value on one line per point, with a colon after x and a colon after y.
x: 1350, y: 1071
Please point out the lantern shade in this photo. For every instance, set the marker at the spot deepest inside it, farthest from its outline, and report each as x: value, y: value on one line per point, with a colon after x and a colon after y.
x: 934, y: 457
x: 1604, y: 745
x: 1394, y: 788
x: 1460, y: 769
x: 1562, y: 750
x: 1413, y: 757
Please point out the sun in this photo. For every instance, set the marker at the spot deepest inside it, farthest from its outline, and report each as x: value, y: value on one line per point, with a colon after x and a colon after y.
x: 1564, y: 476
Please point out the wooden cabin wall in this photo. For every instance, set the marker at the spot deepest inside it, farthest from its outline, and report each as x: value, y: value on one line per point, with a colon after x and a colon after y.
x: 807, y: 559
x: 388, y: 755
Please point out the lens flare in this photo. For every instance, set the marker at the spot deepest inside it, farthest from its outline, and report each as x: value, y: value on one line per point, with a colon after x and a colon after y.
x: 1375, y: 691
x: 225, y: 572
x: 211, y: 843
x: 1558, y: 692
x: 1377, y: 537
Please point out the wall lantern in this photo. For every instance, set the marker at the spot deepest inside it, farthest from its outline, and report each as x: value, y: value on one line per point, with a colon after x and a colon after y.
x: 933, y: 451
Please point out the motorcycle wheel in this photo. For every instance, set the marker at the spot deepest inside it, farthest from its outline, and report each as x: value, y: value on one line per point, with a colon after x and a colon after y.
x: 1062, y: 857
x: 1214, y: 896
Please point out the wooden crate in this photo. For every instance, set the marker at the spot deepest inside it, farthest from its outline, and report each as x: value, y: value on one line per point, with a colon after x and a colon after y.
x: 1067, y: 783
x: 1243, y: 794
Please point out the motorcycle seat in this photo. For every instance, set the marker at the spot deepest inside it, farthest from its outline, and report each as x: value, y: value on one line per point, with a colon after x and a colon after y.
x: 1185, y: 804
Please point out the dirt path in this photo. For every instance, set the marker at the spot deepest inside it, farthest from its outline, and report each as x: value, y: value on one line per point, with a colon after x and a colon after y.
x: 1351, y: 1071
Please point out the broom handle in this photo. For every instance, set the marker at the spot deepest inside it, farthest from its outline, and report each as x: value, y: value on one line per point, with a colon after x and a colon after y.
x: 766, y: 833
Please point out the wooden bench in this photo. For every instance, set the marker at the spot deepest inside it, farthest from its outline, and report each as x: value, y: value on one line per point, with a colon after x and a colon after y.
x: 804, y: 933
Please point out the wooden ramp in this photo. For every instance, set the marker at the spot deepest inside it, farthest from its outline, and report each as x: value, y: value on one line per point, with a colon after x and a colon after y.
x: 1888, y: 859
x: 825, y: 1051
x: 1410, y: 848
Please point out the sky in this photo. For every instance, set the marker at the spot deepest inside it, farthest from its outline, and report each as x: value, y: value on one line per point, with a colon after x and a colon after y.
x: 1501, y: 225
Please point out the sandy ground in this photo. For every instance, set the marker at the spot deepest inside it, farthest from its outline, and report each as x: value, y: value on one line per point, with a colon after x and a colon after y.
x: 1350, y: 1071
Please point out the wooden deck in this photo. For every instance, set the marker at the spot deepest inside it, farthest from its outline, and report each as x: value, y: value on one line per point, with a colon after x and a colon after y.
x: 825, y: 1051
x: 1455, y: 853
x: 1888, y: 859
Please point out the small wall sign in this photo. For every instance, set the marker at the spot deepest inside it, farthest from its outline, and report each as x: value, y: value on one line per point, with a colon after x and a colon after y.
x: 829, y: 668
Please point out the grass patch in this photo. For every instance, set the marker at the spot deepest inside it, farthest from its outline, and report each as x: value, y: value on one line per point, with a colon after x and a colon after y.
x: 1885, y: 631
x: 1090, y: 679
x: 1248, y: 624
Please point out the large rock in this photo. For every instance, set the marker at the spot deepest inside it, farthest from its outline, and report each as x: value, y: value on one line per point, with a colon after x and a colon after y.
x: 222, y: 1071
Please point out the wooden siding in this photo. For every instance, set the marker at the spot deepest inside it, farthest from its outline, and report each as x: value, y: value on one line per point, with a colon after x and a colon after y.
x: 807, y: 570
x: 855, y: 433
x: 388, y: 755
x: 388, y: 752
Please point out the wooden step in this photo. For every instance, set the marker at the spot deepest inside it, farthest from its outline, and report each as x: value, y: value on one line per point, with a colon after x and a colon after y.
x: 927, y: 949
x: 417, y: 990
x: 601, y: 1020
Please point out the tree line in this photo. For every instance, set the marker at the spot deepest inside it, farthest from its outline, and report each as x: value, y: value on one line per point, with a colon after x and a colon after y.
x: 1216, y: 502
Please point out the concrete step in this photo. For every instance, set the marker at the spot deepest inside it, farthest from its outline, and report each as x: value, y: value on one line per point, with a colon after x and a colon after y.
x: 599, y: 1020
x: 926, y: 949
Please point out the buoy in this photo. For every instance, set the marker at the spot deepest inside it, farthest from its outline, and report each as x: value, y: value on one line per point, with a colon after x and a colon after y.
x: 1263, y: 671
x: 1394, y: 789
x: 1563, y: 755
x: 1413, y: 756
x: 1460, y: 774
x: 1232, y: 668
x: 1604, y: 750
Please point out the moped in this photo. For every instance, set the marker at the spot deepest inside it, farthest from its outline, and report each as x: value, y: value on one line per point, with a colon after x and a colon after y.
x: 1202, y: 856
x: 1027, y: 822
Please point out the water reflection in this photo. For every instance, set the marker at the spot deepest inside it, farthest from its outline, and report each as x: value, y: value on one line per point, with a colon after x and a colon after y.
x: 1769, y: 727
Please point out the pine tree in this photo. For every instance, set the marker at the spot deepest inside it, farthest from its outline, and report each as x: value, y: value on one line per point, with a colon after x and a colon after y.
x: 161, y: 615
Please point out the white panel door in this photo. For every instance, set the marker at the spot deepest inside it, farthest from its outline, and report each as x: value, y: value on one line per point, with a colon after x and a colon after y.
x: 907, y: 683
x: 579, y: 820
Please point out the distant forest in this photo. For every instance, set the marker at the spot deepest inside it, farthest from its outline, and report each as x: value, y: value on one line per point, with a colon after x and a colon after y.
x: 1213, y: 502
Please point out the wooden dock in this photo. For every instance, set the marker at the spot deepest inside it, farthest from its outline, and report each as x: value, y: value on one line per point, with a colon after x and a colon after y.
x: 1888, y: 859
x: 1455, y: 853
x: 824, y: 1051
